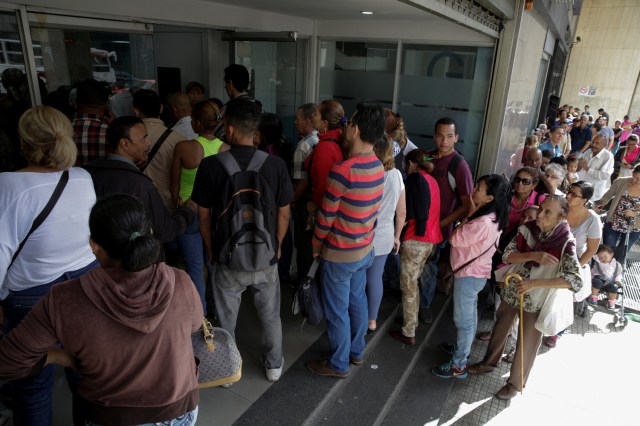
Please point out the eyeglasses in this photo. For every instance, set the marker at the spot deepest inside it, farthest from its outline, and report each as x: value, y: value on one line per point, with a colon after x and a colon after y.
x: 523, y: 181
x: 573, y: 194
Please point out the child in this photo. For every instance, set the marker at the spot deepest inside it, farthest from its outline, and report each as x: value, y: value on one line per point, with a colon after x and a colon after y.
x: 572, y: 169
x: 607, y: 276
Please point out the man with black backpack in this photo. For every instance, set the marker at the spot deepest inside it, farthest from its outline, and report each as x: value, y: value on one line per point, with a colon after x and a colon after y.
x: 243, y: 196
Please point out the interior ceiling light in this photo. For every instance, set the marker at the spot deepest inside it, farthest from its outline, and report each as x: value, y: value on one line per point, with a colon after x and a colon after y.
x: 366, y: 12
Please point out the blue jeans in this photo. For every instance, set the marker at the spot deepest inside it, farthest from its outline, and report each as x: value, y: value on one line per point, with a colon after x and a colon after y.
x: 429, y: 277
x: 32, y: 395
x: 465, y: 315
x: 187, y: 419
x: 374, y: 285
x: 345, y: 306
x: 193, y: 252
x: 615, y: 240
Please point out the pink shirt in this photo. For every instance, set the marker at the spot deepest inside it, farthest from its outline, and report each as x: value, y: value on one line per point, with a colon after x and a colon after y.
x: 471, y: 240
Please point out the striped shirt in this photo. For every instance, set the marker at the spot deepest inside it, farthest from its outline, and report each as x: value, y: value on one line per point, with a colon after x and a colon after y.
x: 90, y: 136
x: 347, y: 218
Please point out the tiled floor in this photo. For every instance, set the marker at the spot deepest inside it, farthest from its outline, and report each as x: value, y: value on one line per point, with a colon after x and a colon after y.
x: 583, y: 381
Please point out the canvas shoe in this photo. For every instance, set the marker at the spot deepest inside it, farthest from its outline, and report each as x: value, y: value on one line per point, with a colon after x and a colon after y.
x: 273, y: 374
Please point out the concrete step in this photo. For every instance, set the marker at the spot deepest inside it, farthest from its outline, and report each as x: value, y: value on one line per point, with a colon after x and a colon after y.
x: 370, y: 392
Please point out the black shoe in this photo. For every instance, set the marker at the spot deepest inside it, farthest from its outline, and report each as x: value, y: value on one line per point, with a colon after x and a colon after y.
x: 448, y: 348
x: 425, y: 316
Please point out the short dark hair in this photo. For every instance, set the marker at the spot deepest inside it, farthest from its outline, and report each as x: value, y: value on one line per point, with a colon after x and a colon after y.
x: 547, y: 154
x: 605, y: 248
x: 370, y: 119
x: 586, y: 189
x: 121, y: 128
x: 446, y: 121
x: 308, y: 110
x: 147, y: 102
x: 554, y: 128
x: 243, y: 114
x: 270, y: 127
x: 119, y: 224
x: 597, y: 126
x: 561, y: 160
x: 194, y: 85
x: 600, y: 109
x: 238, y: 75
x: 92, y: 92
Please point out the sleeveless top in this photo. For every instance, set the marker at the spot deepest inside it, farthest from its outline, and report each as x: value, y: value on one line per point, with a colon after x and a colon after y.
x: 188, y: 176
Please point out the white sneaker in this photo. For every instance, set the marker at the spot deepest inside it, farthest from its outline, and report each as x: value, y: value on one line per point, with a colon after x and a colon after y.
x: 273, y: 374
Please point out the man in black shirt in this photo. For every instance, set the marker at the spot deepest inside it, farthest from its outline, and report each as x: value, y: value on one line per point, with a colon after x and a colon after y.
x: 240, y: 125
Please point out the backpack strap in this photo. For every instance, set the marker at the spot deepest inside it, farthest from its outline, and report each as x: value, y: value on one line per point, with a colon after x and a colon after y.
x: 451, y: 170
x: 163, y: 137
x: 232, y: 167
x: 258, y: 159
x: 229, y: 163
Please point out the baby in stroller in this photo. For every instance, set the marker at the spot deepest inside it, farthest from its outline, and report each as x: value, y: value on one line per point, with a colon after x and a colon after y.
x: 606, y: 275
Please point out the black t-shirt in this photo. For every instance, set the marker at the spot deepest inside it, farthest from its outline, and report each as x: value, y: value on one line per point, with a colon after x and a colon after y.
x: 212, y: 178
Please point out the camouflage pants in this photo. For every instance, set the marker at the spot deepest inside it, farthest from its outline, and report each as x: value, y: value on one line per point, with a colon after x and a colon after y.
x: 413, y: 256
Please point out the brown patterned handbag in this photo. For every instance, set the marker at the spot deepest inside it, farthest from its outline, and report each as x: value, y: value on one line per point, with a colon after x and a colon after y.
x: 217, y: 357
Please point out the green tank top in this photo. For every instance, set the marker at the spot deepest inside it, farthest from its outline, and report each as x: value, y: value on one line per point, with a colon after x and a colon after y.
x: 188, y: 176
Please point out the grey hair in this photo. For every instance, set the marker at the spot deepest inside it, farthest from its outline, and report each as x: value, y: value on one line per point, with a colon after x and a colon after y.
x: 555, y: 169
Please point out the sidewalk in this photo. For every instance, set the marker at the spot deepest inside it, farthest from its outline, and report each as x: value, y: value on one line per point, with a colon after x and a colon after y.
x: 588, y: 379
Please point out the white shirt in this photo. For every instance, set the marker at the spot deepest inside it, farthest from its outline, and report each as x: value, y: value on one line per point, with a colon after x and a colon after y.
x: 599, y: 173
x: 303, y: 149
x: 60, y: 244
x: 184, y: 126
x: 385, y: 226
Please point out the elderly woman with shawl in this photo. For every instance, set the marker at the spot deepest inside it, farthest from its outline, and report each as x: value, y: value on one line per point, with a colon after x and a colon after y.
x: 545, y: 252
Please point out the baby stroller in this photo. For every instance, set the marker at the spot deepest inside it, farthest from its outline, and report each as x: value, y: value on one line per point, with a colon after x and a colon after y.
x: 618, y: 317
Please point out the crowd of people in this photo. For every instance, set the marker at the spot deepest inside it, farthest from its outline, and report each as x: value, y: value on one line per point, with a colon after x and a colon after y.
x: 138, y: 227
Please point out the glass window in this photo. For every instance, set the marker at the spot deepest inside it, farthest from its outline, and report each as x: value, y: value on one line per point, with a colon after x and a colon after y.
x: 66, y: 56
x: 440, y: 81
x: 276, y: 71
x: 353, y: 71
x: 14, y: 92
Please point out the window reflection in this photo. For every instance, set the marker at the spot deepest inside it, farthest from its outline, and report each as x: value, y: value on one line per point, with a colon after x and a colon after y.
x: 121, y: 61
x: 14, y: 92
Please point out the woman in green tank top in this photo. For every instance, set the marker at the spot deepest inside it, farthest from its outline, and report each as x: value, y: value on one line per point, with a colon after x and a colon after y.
x: 187, y: 156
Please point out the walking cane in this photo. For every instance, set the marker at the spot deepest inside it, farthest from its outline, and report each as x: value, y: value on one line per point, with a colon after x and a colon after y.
x: 511, y: 279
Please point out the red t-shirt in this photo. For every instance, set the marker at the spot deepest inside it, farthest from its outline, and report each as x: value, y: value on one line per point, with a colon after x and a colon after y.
x: 326, y: 153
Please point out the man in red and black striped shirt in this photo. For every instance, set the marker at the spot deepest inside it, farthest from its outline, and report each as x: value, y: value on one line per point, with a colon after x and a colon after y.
x: 343, y: 238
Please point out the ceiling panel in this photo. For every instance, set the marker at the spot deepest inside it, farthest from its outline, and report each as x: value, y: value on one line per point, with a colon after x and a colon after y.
x: 337, y: 9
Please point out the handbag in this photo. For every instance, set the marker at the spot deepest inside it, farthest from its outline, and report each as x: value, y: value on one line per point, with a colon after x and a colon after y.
x: 218, y: 360
x: 446, y: 273
x: 307, y: 298
x: 556, y: 313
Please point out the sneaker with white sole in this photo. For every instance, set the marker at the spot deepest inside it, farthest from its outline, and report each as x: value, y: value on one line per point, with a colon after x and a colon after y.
x: 273, y: 374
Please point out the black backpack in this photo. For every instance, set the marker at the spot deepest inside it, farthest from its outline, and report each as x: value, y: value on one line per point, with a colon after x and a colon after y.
x: 248, y: 218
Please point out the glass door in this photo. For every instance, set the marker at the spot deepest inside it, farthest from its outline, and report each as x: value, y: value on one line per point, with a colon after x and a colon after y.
x: 276, y: 71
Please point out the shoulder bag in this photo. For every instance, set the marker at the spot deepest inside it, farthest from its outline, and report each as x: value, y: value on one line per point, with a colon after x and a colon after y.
x: 44, y: 213
x: 446, y: 273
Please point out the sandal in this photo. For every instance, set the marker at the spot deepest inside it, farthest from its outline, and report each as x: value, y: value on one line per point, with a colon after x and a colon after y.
x: 509, y: 356
x: 484, y: 336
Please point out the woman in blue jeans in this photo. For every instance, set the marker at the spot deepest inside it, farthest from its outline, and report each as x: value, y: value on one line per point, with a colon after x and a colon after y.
x: 57, y: 250
x: 473, y: 244
x: 622, y: 217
